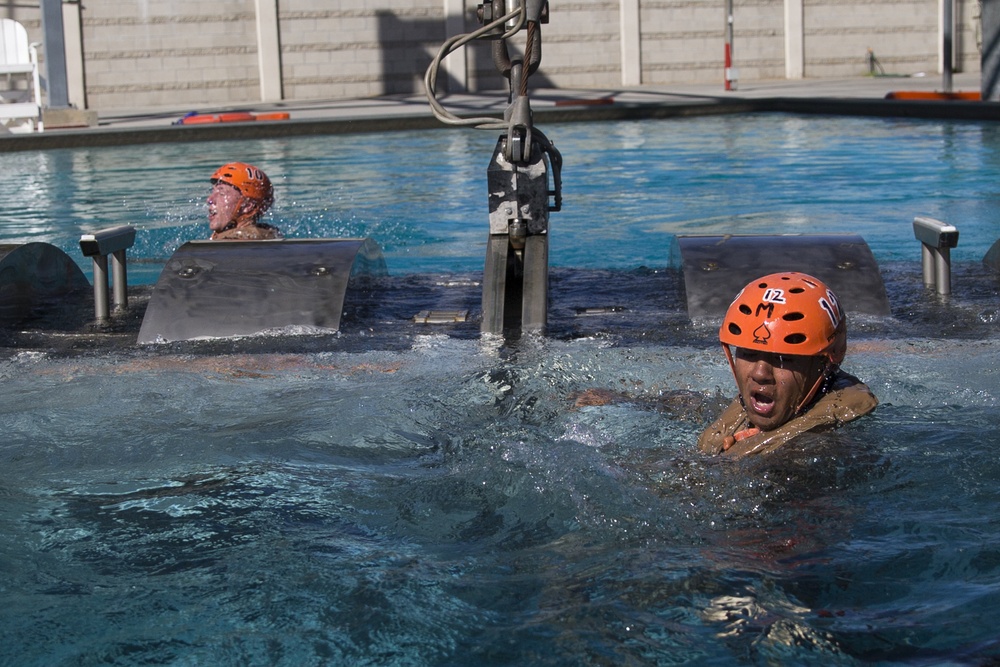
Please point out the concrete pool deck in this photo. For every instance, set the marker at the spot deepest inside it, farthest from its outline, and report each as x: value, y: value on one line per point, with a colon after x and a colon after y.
x: 861, y: 95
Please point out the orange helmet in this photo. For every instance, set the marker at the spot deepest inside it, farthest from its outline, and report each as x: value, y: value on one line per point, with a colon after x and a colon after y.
x: 249, y: 180
x: 787, y: 313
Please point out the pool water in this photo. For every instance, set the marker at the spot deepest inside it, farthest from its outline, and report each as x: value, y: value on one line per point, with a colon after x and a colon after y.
x: 403, y: 495
x: 629, y: 187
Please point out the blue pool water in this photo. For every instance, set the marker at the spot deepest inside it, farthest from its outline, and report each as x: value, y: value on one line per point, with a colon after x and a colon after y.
x: 629, y: 187
x: 441, y: 500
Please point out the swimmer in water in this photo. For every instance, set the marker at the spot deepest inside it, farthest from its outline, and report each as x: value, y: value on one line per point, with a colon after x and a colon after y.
x: 789, y: 336
x: 241, y: 194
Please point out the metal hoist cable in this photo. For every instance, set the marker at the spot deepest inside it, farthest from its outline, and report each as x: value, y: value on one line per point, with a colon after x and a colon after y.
x: 515, y: 285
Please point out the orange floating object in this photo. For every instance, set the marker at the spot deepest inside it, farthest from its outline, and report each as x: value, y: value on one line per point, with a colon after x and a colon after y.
x: 236, y: 117
x: 199, y: 119
x: 276, y: 115
x: 598, y: 101
x: 971, y: 96
x: 231, y: 117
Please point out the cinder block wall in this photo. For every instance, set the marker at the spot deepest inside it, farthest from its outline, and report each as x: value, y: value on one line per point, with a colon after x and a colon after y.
x: 683, y: 42
x: 169, y: 53
x: 193, y: 55
x: 359, y: 49
x: 902, y: 34
x: 581, y: 45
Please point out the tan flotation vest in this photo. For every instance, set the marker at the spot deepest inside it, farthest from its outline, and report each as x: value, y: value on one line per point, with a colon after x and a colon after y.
x: 847, y: 399
x: 253, y: 232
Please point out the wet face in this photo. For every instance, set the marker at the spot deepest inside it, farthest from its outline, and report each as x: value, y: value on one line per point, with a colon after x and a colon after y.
x: 774, y: 385
x: 223, y: 205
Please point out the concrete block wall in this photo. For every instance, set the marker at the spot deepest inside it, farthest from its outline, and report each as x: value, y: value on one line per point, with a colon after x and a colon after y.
x: 758, y: 39
x: 901, y: 34
x: 160, y: 53
x: 358, y: 48
x: 683, y: 41
x: 581, y: 45
x: 193, y: 55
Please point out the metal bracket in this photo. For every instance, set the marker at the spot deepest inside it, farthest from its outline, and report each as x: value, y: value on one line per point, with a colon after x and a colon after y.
x: 936, y: 239
x: 99, y: 245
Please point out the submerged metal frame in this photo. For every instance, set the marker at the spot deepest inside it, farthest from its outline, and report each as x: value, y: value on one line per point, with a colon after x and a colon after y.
x: 516, y: 273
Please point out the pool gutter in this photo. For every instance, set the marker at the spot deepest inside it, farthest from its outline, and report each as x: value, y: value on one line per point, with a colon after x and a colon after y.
x: 581, y: 111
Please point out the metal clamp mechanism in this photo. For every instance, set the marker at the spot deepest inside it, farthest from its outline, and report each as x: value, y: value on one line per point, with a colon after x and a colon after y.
x: 113, y: 241
x: 937, y: 240
x: 515, y: 283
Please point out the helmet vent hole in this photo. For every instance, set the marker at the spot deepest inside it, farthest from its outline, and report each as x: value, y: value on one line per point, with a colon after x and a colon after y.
x: 792, y: 317
x: 797, y: 290
x: 795, y: 339
x: 735, y: 329
x: 745, y: 309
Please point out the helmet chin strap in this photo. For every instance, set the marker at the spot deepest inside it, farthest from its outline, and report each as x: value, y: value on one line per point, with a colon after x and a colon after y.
x: 829, y: 368
x: 732, y: 364
x: 732, y: 367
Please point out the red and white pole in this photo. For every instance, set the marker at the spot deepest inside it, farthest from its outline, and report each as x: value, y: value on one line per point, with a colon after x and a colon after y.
x: 730, y: 72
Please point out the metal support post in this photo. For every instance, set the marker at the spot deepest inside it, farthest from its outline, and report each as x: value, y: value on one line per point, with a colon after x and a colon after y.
x: 99, y: 245
x: 515, y: 277
x: 937, y: 239
x: 101, y: 311
x: 495, y: 284
x: 119, y: 279
x: 731, y: 73
x: 55, y: 54
x: 535, y: 296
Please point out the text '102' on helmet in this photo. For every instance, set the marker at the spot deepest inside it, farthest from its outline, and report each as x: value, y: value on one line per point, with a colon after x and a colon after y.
x: 787, y: 313
x: 249, y: 180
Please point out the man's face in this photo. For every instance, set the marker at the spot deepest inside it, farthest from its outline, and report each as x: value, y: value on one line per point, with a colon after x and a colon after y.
x: 223, y: 205
x: 773, y: 385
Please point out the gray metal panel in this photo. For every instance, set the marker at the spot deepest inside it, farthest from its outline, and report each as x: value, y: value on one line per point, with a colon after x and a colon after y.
x: 992, y: 256
x: 218, y: 289
x: 535, y: 296
x: 716, y: 268
x: 495, y: 283
x: 36, y: 277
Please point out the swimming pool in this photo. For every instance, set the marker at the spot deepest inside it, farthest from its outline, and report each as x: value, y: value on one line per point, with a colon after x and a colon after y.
x: 436, y: 498
x: 629, y: 187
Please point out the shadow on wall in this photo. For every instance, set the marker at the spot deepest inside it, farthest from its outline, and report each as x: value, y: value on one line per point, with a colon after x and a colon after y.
x: 990, y: 58
x: 991, y: 67
x: 409, y: 46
